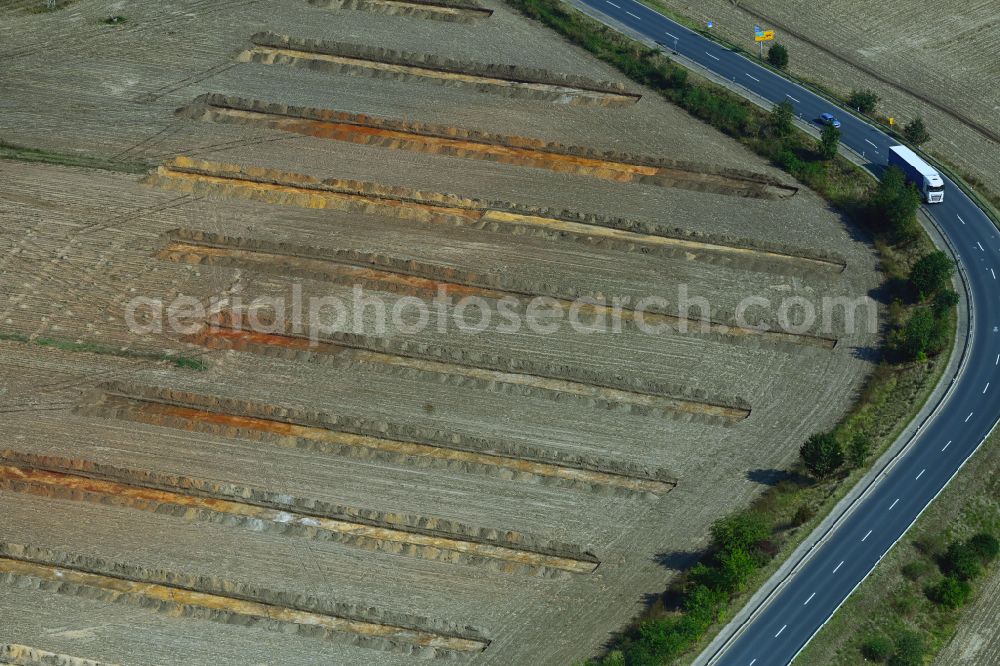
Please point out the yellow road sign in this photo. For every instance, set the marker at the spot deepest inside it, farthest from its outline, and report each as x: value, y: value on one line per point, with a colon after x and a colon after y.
x: 765, y: 36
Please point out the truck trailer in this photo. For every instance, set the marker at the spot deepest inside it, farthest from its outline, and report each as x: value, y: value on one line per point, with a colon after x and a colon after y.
x: 918, y: 172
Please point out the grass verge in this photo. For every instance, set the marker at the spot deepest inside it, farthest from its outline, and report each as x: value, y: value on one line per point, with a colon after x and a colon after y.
x: 748, y: 546
x: 10, y: 151
x: 68, y: 345
x: 893, y: 602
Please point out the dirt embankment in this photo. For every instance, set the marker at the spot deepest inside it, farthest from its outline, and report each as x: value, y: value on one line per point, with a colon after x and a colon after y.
x: 441, y: 10
x: 260, y: 510
x: 24, y: 655
x: 406, y: 276
x: 232, y: 180
x: 271, y: 49
x: 359, y: 438
x: 219, y: 335
x: 233, y: 602
x: 470, y: 144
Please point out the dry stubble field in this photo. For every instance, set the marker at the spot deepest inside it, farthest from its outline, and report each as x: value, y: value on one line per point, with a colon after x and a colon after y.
x: 380, y: 495
x: 938, y: 61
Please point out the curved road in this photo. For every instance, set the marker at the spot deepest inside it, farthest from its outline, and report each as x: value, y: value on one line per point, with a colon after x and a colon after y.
x: 971, y: 409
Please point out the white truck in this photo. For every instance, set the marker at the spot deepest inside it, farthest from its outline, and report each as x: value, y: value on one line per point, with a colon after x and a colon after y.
x: 918, y: 172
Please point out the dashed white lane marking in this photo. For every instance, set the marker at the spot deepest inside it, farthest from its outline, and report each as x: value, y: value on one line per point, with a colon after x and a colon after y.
x: 669, y: 35
x: 987, y: 387
x: 753, y: 662
x: 960, y: 219
x: 921, y: 474
x: 896, y: 501
x: 753, y: 77
x: 998, y: 360
x: 810, y: 598
x: 946, y: 446
x: 711, y: 56
x: 968, y: 417
x: 838, y: 566
x: 867, y: 535
x: 613, y: 4
x: 980, y: 246
x: 780, y: 630
x: 792, y: 98
x: 994, y: 274
x: 633, y: 15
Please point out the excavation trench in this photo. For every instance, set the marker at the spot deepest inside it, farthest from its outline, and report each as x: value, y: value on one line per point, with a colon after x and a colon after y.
x: 441, y: 11
x: 411, y: 277
x: 520, y: 151
x: 271, y: 49
x: 13, y: 654
x: 358, y: 438
x: 217, y: 600
x: 248, y: 330
x: 278, y: 187
x: 68, y: 482
x: 218, y: 336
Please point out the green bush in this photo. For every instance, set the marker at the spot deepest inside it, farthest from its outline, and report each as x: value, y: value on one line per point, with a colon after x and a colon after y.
x: 735, y: 568
x: 915, y: 570
x: 614, y: 658
x: 923, y: 335
x: 822, y: 454
x: 931, y: 274
x: 985, y: 546
x: 961, y: 561
x: 877, y: 648
x: 859, y: 448
x: 740, y: 532
x: 949, y: 592
x: 780, y: 120
x: 829, y: 141
x: 893, y: 206
x: 909, y: 649
x: 915, y: 132
x: 944, y: 301
x: 777, y: 55
x: 864, y: 101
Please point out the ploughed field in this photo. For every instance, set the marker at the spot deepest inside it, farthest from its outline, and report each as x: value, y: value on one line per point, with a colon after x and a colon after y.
x: 243, y: 475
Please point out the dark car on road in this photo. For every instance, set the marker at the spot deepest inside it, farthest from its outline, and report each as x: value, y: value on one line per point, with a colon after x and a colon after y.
x: 828, y: 119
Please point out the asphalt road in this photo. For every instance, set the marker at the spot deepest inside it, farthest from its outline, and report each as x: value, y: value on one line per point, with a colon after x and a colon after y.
x: 851, y: 551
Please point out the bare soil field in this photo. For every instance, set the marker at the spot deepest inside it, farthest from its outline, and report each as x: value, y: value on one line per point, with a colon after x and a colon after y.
x: 207, y: 476
x: 938, y: 62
